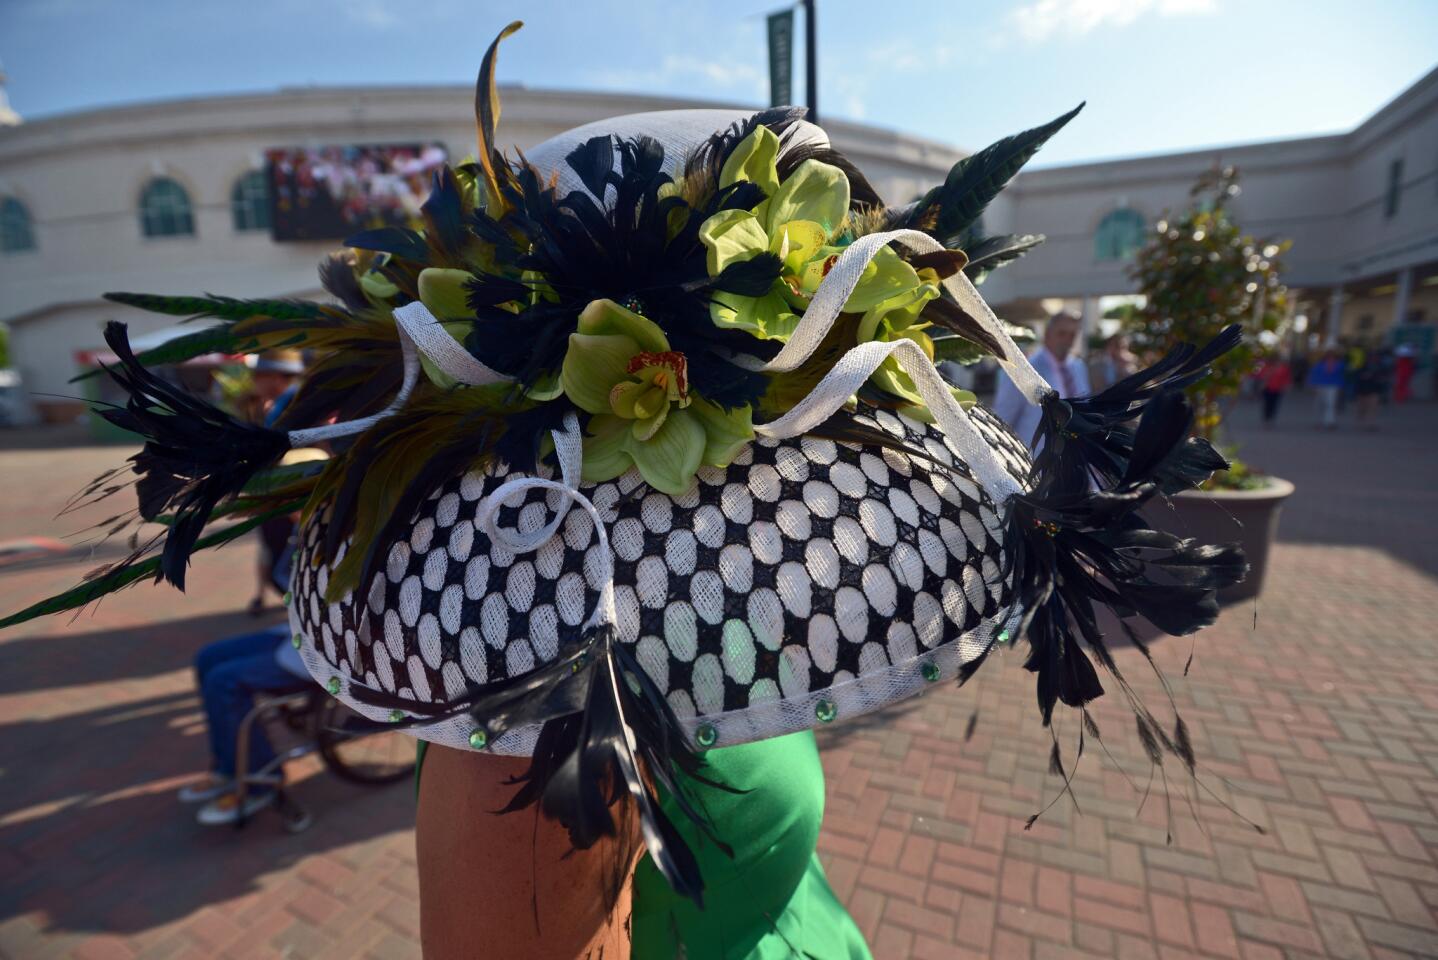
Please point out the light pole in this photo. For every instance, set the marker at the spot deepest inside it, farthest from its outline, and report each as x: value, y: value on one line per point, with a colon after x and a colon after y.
x: 811, y: 66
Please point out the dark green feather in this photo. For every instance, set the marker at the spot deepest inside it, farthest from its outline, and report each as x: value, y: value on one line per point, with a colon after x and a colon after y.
x: 130, y: 573
x: 991, y: 252
x: 225, y: 308
x: 978, y: 178
x: 217, y: 339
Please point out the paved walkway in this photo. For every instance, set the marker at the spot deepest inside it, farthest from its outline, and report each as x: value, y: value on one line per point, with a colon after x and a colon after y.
x: 1314, y: 714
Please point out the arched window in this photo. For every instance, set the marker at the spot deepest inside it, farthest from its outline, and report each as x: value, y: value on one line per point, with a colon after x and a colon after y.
x: 250, y: 202
x: 1119, y: 235
x: 16, y: 231
x: 165, y: 209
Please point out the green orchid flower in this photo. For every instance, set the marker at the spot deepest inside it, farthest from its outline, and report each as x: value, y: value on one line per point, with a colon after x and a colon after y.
x: 898, y: 317
x: 794, y: 221
x: 619, y: 368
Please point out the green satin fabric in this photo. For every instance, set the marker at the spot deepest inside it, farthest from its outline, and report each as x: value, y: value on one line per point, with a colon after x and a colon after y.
x: 771, y: 901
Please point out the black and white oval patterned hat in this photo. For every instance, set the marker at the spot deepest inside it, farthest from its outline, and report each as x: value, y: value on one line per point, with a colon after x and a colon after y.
x: 810, y: 581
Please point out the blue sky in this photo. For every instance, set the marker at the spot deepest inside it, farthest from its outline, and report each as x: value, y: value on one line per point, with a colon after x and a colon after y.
x: 1158, y: 75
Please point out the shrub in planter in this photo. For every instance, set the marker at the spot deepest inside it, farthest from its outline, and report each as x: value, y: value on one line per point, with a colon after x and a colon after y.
x: 1199, y: 272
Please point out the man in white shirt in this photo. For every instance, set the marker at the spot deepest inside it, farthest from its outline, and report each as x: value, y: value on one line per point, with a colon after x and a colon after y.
x: 1054, y: 362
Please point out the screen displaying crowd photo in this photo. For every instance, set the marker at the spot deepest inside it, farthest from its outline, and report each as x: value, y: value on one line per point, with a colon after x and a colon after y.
x: 329, y: 193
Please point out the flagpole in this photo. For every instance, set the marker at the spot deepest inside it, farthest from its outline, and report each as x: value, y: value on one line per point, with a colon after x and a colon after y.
x: 811, y: 67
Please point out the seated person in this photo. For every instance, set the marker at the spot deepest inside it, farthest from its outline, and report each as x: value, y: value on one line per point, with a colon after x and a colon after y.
x: 229, y: 674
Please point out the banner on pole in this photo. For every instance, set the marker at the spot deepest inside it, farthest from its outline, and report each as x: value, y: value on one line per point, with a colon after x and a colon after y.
x: 781, y: 58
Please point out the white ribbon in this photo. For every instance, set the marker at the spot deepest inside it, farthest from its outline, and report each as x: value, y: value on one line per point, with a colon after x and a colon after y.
x: 568, y: 449
x: 442, y: 349
x: 313, y: 435
x: 419, y: 333
x: 857, y: 366
x: 828, y: 302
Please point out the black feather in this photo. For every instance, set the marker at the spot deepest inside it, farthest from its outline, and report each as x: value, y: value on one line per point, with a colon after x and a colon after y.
x: 398, y: 241
x: 605, y: 727
x: 951, y: 208
x: 337, y: 277
x: 993, y: 252
x: 1093, y: 438
x: 195, y: 455
x: 593, y: 161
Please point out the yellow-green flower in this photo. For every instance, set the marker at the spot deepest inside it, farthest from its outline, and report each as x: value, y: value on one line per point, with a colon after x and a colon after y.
x: 794, y: 222
x: 620, y: 369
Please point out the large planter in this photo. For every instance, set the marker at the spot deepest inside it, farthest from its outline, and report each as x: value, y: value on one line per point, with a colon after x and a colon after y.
x: 1221, y: 516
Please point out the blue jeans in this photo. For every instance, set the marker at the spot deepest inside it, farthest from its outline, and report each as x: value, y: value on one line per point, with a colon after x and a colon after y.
x: 229, y: 673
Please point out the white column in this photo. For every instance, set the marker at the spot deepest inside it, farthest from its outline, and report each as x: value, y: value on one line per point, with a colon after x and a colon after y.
x: 1335, y: 316
x: 1402, y: 296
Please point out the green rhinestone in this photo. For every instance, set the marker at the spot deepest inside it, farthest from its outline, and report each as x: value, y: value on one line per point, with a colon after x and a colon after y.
x: 706, y: 735
x: 930, y: 670
x: 296, y: 640
x: 479, y: 739
x: 395, y: 716
x: 826, y: 711
x: 288, y: 597
x: 1003, y: 636
x: 333, y: 686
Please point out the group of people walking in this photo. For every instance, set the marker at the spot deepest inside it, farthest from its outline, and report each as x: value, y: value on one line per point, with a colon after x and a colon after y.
x: 1339, y: 376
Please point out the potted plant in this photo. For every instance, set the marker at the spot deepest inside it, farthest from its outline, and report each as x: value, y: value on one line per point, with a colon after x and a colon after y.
x: 1199, y: 272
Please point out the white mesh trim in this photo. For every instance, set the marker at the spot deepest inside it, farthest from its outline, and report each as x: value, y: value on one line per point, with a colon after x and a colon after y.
x: 851, y: 698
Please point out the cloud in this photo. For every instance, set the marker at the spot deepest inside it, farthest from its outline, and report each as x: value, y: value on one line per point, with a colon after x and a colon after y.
x: 1039, y: 20
x: 731, y: 76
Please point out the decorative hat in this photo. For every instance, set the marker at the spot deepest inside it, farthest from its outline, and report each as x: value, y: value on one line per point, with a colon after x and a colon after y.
x: 640, y: 449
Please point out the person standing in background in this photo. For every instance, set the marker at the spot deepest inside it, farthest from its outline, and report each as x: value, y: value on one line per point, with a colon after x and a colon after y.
x: 1113, y: 364
x: 1274, y: 378
x: 1369, y: 383
x: 1405, y: 362
x: 1327, y: 378
x: 1053, y: 361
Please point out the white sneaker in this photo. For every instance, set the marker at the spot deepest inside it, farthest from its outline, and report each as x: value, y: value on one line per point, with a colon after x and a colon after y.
x: 206, y: 789
x: 225, y: 809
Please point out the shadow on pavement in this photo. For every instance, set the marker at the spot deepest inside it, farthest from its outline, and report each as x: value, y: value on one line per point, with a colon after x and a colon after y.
x: 91, y: 836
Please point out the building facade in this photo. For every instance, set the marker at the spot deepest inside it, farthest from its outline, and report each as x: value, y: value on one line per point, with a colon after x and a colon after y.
x: 170, y: 198
x: 162, y: 198
x: 1361, y: 209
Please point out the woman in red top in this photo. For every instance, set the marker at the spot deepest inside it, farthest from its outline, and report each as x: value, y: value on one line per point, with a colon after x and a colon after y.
x: 1276, y: 377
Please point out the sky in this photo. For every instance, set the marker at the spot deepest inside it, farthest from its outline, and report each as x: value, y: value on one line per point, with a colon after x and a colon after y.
x: 1158, y: 75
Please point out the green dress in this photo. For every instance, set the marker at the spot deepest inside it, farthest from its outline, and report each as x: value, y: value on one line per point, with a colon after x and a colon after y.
x: 771, y: 901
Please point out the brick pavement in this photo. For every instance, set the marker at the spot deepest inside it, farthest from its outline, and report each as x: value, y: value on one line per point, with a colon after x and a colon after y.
x: 1318, y: 720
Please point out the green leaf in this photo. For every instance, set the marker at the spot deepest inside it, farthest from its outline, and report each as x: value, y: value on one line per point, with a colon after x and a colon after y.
x: 978, y: 178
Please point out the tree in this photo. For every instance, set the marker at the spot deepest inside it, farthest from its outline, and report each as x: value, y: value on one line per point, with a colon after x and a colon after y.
x: 4, y: 346
x: 1199, y: 272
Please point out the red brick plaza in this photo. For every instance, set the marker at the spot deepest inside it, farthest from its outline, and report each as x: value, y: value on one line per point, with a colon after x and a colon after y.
x: 1315, y: 714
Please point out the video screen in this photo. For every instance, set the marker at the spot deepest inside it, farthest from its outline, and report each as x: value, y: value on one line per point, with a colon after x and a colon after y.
x: 329, y: 193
